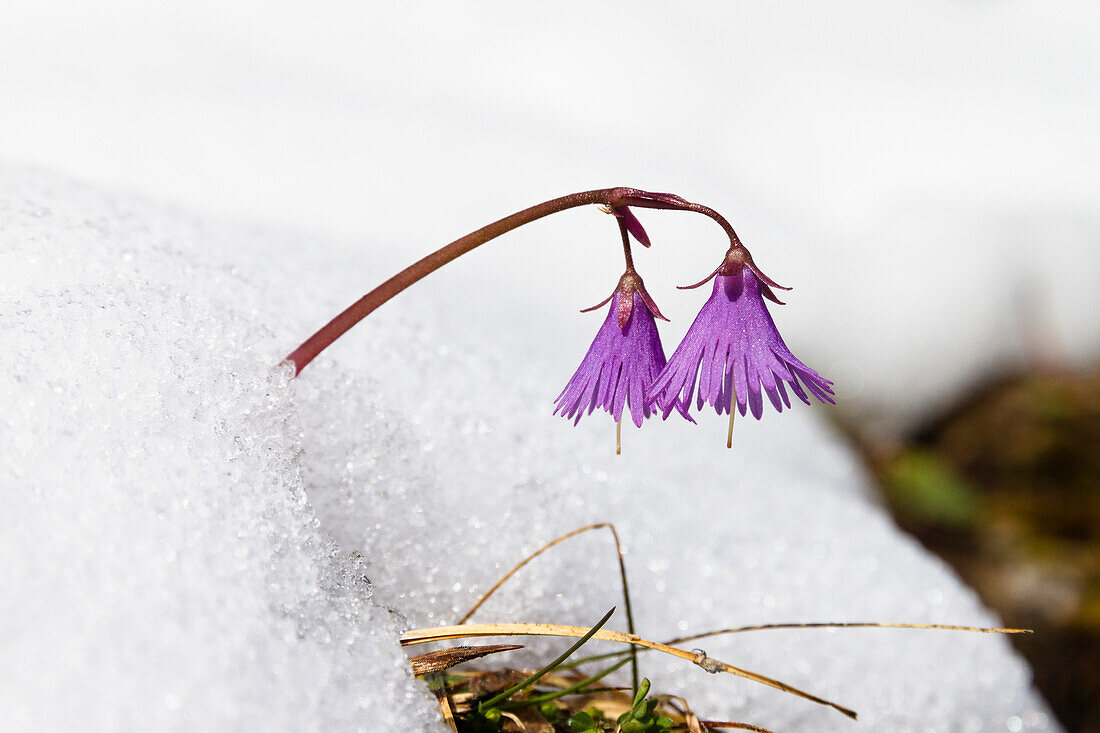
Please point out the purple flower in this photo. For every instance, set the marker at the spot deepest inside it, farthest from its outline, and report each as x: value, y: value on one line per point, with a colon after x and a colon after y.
x: 622, y: 361
x: 734, y: 349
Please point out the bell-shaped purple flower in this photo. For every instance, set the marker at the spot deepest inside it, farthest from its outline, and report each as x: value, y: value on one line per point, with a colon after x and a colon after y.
x: 622, y: 361
x: 735, y: 351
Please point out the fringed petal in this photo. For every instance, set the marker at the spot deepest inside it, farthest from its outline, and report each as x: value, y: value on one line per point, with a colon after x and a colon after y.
x: 756, y: 401
x: 782, y: 392
x: 706, y: 372
x: 736, y: 353
x: 740, y: 382
x: 618, y: 367
x: 638, y: 409
x: 618, y: 397
x: 814, y: 383
x: 797, y: 389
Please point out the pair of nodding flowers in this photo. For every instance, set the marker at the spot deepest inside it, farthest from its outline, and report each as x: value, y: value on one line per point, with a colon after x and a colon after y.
x: 732, y: 349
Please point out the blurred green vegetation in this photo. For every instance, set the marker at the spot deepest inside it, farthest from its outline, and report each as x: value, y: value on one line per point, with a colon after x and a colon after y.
x: 921, y: 484
x: 1006, y: 487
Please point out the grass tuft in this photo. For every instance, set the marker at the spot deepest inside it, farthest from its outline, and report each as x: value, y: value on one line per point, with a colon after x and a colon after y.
x: 559, y: 698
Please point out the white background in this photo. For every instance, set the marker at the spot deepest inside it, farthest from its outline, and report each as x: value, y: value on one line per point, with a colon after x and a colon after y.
x: 923, y: 174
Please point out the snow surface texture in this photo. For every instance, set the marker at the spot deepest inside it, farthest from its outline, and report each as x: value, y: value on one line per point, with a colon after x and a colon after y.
x: 192, y: 541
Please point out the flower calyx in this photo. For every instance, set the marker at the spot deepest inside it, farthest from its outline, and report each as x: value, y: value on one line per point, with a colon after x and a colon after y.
x: 629, y: 284
x: 736, y: 260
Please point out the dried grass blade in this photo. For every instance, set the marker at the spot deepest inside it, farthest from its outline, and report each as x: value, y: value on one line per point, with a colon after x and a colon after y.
x: 568, y: 535
x: 445, y: 633
x: 584, y: 637
x: 444, y: 659
x: 845, y: 625
x: 519, y: 566
x: 692, y: 722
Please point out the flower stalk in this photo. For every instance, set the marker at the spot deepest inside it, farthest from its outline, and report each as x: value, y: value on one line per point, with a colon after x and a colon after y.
x: 615, y: 199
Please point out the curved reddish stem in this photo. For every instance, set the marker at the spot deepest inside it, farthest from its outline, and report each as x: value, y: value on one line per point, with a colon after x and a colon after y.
x: 610, y: 197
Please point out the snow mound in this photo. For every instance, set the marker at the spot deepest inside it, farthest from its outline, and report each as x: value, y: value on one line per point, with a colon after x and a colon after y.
x: 193, y: 541
x: 163, y: 567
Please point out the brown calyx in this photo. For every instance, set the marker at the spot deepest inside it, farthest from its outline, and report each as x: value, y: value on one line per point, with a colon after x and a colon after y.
x: 629, y: 283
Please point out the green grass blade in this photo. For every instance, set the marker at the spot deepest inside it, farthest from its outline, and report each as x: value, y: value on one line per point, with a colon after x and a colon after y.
x: 548, y: 668
x: 575, y: 688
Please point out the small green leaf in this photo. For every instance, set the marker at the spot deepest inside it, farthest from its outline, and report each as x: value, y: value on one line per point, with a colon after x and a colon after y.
x: 582, y: 722
x: 595, y: 713
x: 474, y: 722
x: 643, y: 690
x: 551, y: 712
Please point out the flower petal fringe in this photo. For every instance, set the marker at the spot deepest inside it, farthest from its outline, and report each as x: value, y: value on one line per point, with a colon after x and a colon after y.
x: 620, y: 365
x: 735, y: 351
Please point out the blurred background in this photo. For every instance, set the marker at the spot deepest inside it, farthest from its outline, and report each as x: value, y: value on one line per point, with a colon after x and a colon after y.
x: 924, y: 175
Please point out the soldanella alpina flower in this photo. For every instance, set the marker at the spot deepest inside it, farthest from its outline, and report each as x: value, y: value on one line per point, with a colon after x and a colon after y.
x: 735, y: 351
x: 622, y: 361
x: 733, y: 348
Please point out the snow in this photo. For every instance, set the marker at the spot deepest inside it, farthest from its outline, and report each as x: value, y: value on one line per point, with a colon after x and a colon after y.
x: 190, y: 540
x: 163, y: 568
